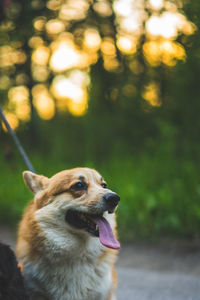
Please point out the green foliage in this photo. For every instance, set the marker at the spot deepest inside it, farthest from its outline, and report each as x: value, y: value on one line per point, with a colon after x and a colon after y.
x: 159, y: 187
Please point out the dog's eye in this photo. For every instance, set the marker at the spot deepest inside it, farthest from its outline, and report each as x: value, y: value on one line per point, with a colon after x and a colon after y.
x: 80, y: 186
x: 104, y: 185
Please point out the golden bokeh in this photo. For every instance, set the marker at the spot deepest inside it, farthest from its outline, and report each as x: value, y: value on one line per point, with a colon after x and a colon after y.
x: 40, y: 55
x: 71, y: 92
x: 35, y: 42
x: 19, y: 103
x: 55, y: 26
x: 54, y: 4
x: 151, y: 94
x: 123, y: 8
x: 10, y: 55
x: 39, y: 23
x: 12, y: 120
x: 65, y: 57
x: 40, y: 73
x: 156, y: 4
x: 168, y: 25
x: 78, y: 108
x: 110, y: 63
x: 43, y: 102
x: 23, y: 112
x: 108, y: 47
x: 70, y: 12
x: 103, y: 8
x: 163, y: 51
x: 5, y: 82
x: 92, y: 39
x: 126, y: 44
x: 18, y: 94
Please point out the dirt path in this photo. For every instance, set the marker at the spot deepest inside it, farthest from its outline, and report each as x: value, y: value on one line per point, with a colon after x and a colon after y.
x: 162, y: 271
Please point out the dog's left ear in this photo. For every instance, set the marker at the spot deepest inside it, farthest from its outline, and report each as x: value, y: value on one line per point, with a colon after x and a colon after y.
x: 35, y: 183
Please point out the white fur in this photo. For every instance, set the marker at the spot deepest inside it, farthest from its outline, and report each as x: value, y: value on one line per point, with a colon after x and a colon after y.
x: 76, y: 279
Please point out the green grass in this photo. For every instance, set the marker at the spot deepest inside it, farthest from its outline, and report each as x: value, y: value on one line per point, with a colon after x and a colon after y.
x: 159, y: 192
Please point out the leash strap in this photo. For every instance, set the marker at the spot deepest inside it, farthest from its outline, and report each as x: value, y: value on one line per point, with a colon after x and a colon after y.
x: 17, y: 142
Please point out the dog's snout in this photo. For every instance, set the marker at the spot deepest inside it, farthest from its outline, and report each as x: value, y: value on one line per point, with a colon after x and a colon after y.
x: 111, y: 199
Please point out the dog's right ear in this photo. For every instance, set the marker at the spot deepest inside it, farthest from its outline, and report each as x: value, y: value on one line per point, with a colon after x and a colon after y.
x: 35, y: 183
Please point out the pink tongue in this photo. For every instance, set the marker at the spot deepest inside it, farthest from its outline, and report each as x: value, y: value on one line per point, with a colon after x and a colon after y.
x: 106, y: 235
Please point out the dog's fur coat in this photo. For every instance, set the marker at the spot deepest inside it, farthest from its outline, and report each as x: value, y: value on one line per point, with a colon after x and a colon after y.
x: 11, y: 281
x: 62, y: 262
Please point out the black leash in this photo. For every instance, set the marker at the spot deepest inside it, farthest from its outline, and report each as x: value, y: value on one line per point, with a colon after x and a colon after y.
x: 17, y: 142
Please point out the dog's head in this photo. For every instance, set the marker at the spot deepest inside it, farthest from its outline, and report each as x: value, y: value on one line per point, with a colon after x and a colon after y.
x: 78, y: 199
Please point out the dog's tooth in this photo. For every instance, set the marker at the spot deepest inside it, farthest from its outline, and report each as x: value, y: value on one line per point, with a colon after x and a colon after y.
x: 82, y: 217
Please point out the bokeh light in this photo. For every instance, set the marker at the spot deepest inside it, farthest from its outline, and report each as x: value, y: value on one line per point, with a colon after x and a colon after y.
x: 103, y: 8
x: 163, y: 51
x: 156, y: 4
x: 65, y: 56
x: 40, y: 55
x: 71, y: 92
x: 66, y: 43
x: 151, y: 94
x: 12, y: 120
x: 55, y: 26
x: 43, y: 102
x: 168, y: 25
x: 92, y: 39
x: 126, y: 44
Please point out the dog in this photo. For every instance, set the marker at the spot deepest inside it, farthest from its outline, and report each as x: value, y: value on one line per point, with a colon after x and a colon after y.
x: 67, y: 237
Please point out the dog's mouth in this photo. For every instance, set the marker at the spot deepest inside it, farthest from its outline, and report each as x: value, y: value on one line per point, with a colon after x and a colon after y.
x: 94, y: 224
x: 82, y: 220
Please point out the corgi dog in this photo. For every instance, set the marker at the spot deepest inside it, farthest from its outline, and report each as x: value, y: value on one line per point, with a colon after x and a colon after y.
x: 66, y: 238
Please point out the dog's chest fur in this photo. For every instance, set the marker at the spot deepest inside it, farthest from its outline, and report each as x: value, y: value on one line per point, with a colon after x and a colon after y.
x: 78, y: 275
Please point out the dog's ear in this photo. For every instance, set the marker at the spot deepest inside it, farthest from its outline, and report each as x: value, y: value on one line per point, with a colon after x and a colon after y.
x: 35, y: 183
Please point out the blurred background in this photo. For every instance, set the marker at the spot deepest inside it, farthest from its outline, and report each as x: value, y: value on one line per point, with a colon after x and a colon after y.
x: 112, y: 85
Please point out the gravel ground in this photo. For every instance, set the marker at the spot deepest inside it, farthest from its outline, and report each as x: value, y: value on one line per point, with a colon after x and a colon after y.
x: 145, y: 285
x: 162, y: 271
x: 165, y: 271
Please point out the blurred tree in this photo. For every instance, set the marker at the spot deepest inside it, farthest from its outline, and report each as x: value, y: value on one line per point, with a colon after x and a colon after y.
x: 48, y: 49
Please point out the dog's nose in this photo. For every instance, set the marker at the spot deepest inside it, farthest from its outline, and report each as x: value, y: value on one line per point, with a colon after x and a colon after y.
x: 111, y: 200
